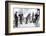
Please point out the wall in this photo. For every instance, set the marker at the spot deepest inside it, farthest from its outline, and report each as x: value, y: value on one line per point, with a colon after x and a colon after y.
x: 2, y: 18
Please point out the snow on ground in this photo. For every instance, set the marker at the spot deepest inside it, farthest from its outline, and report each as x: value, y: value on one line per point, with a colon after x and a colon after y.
x: 29, y: 25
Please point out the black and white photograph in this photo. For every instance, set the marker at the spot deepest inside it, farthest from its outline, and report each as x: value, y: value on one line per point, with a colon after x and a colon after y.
x: 26, y: 17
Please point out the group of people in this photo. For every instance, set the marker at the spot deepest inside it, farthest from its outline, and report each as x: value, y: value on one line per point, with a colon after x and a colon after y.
x: 27, y: 18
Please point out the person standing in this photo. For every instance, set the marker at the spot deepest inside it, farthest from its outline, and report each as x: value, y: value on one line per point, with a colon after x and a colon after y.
x: 21, y: 16
x: 16, y: 19
x: 27, y: 18
x: 37, y: 17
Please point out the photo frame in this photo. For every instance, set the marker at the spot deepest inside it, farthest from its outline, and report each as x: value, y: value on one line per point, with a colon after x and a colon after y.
x: 24, y: 17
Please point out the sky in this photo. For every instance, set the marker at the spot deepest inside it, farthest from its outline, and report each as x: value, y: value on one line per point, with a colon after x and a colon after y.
x: 25, y: 11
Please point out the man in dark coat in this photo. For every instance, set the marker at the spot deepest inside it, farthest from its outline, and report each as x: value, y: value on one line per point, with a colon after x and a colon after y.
x: 37, y: 18
x: 21, y: 16
x: 16, y: 19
